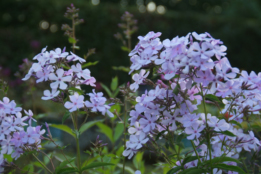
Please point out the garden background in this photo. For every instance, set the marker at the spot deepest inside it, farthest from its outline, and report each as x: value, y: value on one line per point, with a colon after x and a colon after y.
x: 28, y: 26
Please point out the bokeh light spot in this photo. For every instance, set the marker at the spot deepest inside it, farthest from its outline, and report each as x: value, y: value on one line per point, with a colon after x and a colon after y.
x: 161, y: 9
x: 44, y: 25
x: 95, y: 2
x: 53, y: 28
x: 217, y: 9
x: 142, y: 8
x: 151, y: 6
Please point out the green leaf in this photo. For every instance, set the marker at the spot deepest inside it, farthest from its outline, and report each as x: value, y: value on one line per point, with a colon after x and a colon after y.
x: 236, y: 123
x: 117, y: 107
x: 71, y: 40
x: 228, y: 167
x: 193, y: 170
x: 88, y: 125
x: 114, y: 83
x: 123, y: 48
x: 118, y: 131
x: 96, y: 164
x: 80, y: 92
x: 8, y: 158
x: 121, y: 68
x: 106, y: 130
x: 89, y: 64
x: 65, y: 116
x: 222, y: 159
x: 64, y: 128
x: 228, y: 133
x: 171, y: 171
x: 106, y: 89
x: 189, y: 159
x: 115, y: 92
x: 67, y: 170
x: 63, y: 164
x: 212, y: 98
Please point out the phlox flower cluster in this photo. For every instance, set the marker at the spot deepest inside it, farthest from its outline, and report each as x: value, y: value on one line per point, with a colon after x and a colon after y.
x: 14, y: 138
x: 50, y: 67
x: 194, y: 68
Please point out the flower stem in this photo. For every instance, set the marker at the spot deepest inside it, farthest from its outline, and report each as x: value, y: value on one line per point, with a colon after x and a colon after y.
x: 42, y: 164
x: 124, y: 132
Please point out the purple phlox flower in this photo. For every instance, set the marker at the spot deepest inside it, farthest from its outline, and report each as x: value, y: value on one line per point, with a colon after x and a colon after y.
x: 136, y: 141
x: 191, y: 93
x: 218, y: 124
x: 137, y: 172
x: 252, y: 78
x: 138, y: 78
x: 228, y: 88
x: 91, y: 81
x: 60, y: 53
x: 76, y: 102
x: 43, y: 75
x: 17, y: 153
x: 81, y: 73
x: 5, y: 101
x: 4, y: 131
x: 13, y: 123
x: 194, y: 131
x: 17, y: 139
x: 11, y: 108
x: 189, y: 119
x: 133, y: 117
x: 31, y: 136
x: 150, y: 37
x: 170, y: 119
x: 200, y: 37
x: 98, y: 103
x: 149, y: 122
x: 30, y: 114
x: 226, y: 71
x: 74, y: 57
x: 49, y: 95
x: 2, y: 114
x: 59, y: 79
x: 129, y: 151
x: 40, y: 54
x: 203, y: 64
x: 205, y: 51
x: 6, y: 145
x: 204, y: 77
x: 136, y: 130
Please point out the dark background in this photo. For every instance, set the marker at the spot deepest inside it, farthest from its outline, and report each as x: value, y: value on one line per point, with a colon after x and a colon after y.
x: 236, y: 22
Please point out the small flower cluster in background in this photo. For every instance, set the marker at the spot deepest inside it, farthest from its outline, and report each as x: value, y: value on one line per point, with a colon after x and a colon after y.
x: 50, y: 67
x: 17, y: 135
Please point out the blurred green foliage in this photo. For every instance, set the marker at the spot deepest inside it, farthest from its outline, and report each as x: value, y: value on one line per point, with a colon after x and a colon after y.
x: 236, y: 22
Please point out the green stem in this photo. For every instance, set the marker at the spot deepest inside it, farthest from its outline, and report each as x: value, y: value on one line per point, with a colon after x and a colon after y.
x: 124, y: 132
x: 208, y: 135
x: 199, y: 161
x: 77, y: 143
x: 42, y: 164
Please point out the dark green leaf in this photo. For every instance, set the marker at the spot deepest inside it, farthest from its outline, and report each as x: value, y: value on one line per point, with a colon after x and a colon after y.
x: 189, y: 159
x: 212, y: 97
x: 67, y: 170
x: 96, y: 164
x: 63, y: 164
x: 228, y: 167
x: 222, y: 159
x: 106, y: 130
x: 115, y: 92
x: 236, y: 123
x: 174, y: 170
x: 114, y: 83
x: 121, y: 68
x: 123, y: 48
x: 89, y: 64
x: 65, y: 116
x: 193, y: 170
x: 80, y: 92
x: 71, y: 40
x: 118, y: 131
x: 228, y: 133
x: 106, y: 89
x: 63, y: 128
x: 88, y: 125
